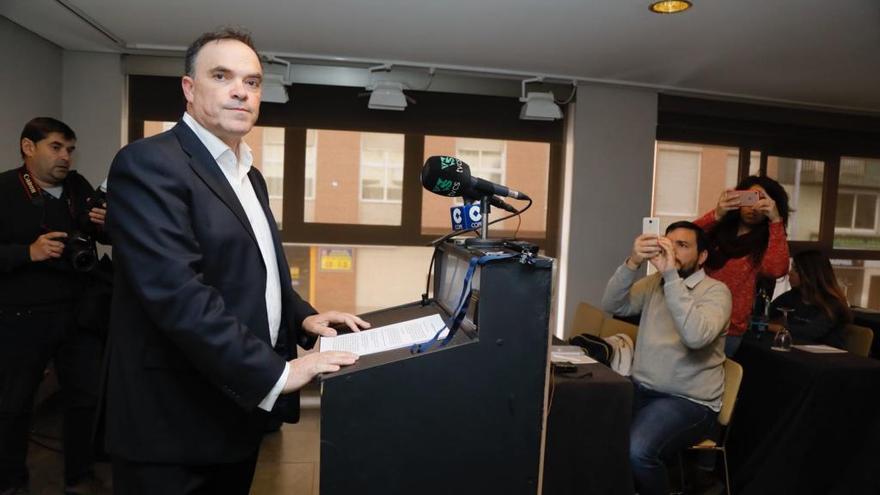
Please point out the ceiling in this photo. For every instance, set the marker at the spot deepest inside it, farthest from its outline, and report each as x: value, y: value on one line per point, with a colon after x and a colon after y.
x: 806, y: 52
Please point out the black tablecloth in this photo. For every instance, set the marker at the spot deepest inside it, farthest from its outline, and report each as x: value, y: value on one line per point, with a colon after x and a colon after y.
x: 587, y: 450
x: 805, y: 423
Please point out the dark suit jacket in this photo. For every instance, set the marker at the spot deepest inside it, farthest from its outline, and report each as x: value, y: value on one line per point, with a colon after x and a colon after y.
x: 189, y: 351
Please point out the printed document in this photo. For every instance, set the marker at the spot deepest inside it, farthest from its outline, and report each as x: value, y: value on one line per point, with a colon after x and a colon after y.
x: 403, y: 334
x: 569, y: 354
x: 819, y: 348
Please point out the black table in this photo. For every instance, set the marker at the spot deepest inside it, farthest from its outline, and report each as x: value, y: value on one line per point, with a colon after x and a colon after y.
x: 587, y: 449
x: 805, y: 423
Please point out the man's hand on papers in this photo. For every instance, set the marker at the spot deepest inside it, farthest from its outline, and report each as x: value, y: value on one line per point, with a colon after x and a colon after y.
x: 318, y: 324
x: 304, y: 369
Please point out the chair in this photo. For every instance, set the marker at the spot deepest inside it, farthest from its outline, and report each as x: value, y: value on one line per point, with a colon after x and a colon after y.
x: 733, y: 374
x: 611, y: 326
x: 857, y: 339
x: 587, y: 319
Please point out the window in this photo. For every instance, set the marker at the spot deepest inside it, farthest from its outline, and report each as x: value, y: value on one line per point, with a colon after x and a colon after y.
x: 802, y: 180
x: 828, y: 162
x: 484, y: 156
x: 677, y: 181
x: 381, y: 167
x: 311, y: 163
x: 689, y: 178
x: 356, y: 240
x: 860, y: 281
x: 269, y: 158
x: 522, y: 165
x: 858, y: 199
x: 356, y: 177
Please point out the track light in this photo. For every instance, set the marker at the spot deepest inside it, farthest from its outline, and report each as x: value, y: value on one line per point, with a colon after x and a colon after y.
x: 538, y: 106
x: 387, y: 95
x: 274, y: 88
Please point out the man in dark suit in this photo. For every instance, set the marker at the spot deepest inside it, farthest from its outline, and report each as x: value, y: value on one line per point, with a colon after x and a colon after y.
x: 205, y: 323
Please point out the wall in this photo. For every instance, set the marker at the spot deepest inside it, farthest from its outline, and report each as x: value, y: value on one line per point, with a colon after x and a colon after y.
x: 92, y: 104
x: 610, y: 173
x: 32, y: 80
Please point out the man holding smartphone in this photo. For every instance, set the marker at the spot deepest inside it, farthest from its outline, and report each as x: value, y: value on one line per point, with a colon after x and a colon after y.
x: 677, y: 370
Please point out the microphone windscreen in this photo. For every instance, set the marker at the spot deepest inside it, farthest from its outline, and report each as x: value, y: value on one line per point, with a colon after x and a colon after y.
x: 446, y: 176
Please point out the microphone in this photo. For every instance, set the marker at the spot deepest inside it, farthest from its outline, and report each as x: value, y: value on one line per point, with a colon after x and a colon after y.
x: 449, y: 176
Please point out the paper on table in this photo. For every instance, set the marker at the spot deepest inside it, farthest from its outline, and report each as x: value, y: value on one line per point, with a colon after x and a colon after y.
x: 385, y: 338
x: 819, y: 348
x: 569, y: 354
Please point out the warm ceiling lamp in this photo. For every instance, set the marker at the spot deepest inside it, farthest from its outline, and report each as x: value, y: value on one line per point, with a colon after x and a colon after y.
x: 670, y: 6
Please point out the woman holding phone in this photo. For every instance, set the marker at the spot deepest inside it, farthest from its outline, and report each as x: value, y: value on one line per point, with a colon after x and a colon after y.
x: 747, y: 239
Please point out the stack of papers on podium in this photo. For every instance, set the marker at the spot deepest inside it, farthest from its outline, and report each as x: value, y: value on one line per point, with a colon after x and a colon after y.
x: 403, y: 334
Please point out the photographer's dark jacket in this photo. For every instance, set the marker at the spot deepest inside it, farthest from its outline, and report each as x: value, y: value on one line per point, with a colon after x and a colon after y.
x: 46, y: 284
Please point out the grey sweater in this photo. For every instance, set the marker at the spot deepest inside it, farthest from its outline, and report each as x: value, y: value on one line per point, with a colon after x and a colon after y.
x: 680, y: 344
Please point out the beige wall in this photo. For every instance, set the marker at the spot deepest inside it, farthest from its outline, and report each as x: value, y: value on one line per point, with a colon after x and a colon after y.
x: 610, y: 176
x: 31, y: 76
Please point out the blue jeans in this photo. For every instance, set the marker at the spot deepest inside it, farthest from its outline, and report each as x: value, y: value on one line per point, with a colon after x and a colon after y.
x: 662, y: 426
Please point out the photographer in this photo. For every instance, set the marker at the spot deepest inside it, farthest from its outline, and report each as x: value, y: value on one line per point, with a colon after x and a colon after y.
x: 50, y: 218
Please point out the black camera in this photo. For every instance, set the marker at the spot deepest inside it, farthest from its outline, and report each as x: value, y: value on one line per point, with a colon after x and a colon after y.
x: 79, y: 246
x: 80, y: 251
x: 98, y: 199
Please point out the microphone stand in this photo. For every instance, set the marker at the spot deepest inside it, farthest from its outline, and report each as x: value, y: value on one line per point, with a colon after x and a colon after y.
x: 483, y: 242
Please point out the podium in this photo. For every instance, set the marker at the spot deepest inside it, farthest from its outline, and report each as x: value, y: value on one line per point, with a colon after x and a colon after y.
x: 464, y: 418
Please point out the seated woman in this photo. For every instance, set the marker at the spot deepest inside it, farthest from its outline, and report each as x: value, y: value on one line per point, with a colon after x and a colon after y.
x: 820, y: 310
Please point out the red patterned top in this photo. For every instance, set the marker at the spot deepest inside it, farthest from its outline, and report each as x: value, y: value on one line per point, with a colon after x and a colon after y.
x: 740, y: 274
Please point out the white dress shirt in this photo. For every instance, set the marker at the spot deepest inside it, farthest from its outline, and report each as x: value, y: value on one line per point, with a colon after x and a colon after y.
x: 235, y: 169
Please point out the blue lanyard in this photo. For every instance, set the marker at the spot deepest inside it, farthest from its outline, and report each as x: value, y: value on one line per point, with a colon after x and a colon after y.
x: 464, y: 300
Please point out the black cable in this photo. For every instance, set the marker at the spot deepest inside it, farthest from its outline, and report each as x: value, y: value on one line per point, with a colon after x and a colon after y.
x: 428, y: 282
x: 436, y: 242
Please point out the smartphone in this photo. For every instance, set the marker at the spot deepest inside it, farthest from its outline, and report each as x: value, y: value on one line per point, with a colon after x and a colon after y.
x: 651, y: 225
x: 747, y: 198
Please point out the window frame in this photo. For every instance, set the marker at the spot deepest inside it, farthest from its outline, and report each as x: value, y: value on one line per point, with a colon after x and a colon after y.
x: 779, y: 131
x: 342, y: 108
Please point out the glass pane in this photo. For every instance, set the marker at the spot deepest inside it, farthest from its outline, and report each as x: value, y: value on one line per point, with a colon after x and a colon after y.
x: 358, y: 279
x: 755, y: 163
x: 689, y: 178
x: 311, y: 163
x: 860, y: 281
x: 844, y: 214
x: 802, y: 179
x: 866, y: 208
x: 521, y: 165
x: 350, y: 177
x: 855, y: 225
x: 267, y: 146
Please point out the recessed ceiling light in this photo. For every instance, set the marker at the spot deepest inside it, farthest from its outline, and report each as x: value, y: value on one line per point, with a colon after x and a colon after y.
x: 670, y: 6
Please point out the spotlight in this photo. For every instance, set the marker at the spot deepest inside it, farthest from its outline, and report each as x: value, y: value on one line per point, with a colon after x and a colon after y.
x: 538, y: 106
x: 387, y: 95
x: 274, y: 90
